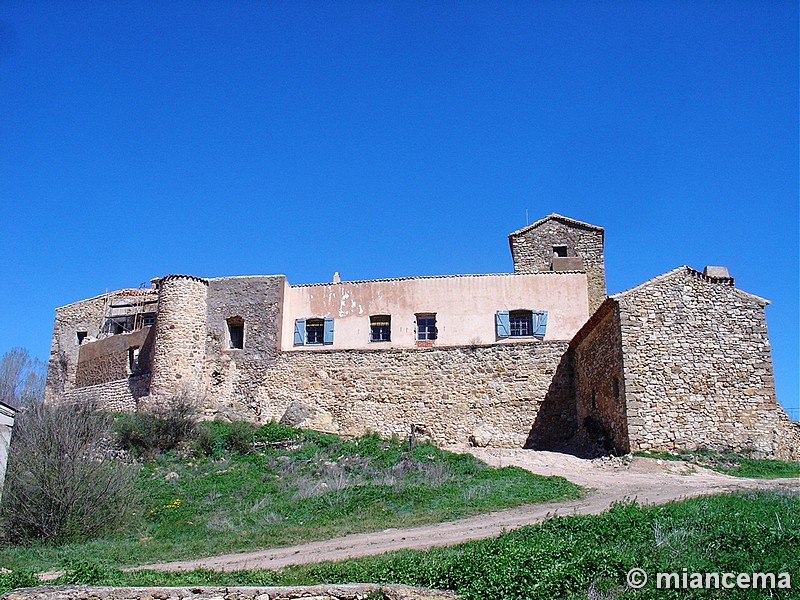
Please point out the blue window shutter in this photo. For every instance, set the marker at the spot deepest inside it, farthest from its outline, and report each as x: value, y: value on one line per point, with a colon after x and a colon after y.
x: 503, y: 324
x: 299, y: 332
x: 540, y: 317
x: 328, y: 333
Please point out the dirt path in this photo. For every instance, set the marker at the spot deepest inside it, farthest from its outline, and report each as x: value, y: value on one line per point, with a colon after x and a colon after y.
x: 647, y: 480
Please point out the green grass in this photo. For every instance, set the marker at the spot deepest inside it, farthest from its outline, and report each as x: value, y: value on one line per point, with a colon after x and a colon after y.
x: 730, y: 463
x: 297, y: 486
x: 565, y: 557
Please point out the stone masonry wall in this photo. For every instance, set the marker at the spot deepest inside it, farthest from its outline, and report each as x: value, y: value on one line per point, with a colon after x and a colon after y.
x: 599, y: 382
x: 122, y: 395
x: 532, y: 252
x: 449, y: 392
x: 179, y: 350
x: 63, y: 362
x: 108, y: 359
x: 698, y: 368
x: 256, y: 300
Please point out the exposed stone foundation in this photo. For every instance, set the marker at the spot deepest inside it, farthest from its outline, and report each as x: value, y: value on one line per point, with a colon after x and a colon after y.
x: 355, y: 591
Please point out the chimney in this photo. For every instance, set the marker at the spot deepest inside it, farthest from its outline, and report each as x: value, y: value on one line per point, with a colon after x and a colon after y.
x: 716, y: 272
x: 336, y: 278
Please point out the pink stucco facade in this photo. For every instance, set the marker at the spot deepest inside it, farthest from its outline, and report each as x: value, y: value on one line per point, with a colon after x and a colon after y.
x: 465, y: 307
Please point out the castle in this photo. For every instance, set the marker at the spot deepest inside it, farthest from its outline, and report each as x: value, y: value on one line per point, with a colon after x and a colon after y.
x: 538, y: 358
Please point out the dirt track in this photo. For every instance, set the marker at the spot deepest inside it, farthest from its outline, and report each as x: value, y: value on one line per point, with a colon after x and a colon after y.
x: 647, y: 480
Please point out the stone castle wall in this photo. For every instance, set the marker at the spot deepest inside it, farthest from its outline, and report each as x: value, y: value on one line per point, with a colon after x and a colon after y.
x: 532, y: 252
x: 179, y: 352
x: 698, y: 368
x: 228, y: 371
x: 449, y: 392
x: 599, y: 382
x: 63, y: 362
x: 109, y: 359
x: 121, y: 395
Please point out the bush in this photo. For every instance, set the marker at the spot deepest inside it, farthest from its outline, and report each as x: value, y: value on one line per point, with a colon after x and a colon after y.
x: 215, y: 438
x: 163, y: 428
x: 63, y: 482
x: 239, y: 437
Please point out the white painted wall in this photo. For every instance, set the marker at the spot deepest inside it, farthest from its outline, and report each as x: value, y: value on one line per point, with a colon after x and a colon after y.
x: 465, y: 307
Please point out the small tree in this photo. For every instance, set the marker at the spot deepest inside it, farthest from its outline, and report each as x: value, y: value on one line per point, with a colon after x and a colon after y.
x: 63, y: 482
x: 22, y: 378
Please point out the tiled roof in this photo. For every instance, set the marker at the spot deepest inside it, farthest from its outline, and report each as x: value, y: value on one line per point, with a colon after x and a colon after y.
x: 560, y: 218
x: 435, y: 277
x: 686, y: 270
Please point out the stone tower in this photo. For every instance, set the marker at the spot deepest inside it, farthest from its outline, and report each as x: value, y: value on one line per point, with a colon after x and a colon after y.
x: 557, y: 243
x: 180, y: 336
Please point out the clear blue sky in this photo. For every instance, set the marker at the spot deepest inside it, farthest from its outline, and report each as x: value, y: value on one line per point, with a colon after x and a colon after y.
x: 383, y: 139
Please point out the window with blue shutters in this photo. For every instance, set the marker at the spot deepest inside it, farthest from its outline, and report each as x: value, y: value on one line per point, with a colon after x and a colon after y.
x: 299, y: 332
x: 521, y: 323
x: 313, y: 332
x: 540, y: 323
x: 327, y: 337
x: 502, y: 323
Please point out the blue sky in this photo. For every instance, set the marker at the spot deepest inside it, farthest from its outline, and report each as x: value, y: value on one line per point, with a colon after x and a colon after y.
x: 383, y: 139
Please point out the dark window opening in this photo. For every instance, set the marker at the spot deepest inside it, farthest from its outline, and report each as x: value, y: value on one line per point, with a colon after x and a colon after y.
x: 380, y: 328
x: 148, y: 319
x: 315, y: 331
x: 236, y: 333
x: 426, y: 327
x: 560, y: 251
x: 133, y: 359
x: 117, y: 325
x: 520, y: 323
x: 594, y: 399
x: 82, y: 336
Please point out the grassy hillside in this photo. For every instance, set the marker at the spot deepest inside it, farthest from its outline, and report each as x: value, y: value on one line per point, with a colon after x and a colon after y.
x: 237, y: 487
x: 566, y: 557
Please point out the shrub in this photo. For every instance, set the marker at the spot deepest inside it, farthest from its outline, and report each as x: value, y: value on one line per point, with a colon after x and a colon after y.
x: 163, y: 428
x: 63, y: 482
x: 239, y: 437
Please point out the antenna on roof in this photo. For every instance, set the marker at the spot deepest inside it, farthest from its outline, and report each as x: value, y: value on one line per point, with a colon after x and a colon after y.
x: 527, y: 220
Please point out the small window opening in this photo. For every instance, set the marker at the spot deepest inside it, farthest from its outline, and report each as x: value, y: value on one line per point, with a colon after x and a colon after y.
x: 315, y: 331
x: 560, y: 251
x: 594, y: 399
x: 148, y: 319
x: 82, y: 336
x: 426, y: 326
x: 380, y: 328
x: 133, y: 359
x: 520, y: 323
x: 236, y: 333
